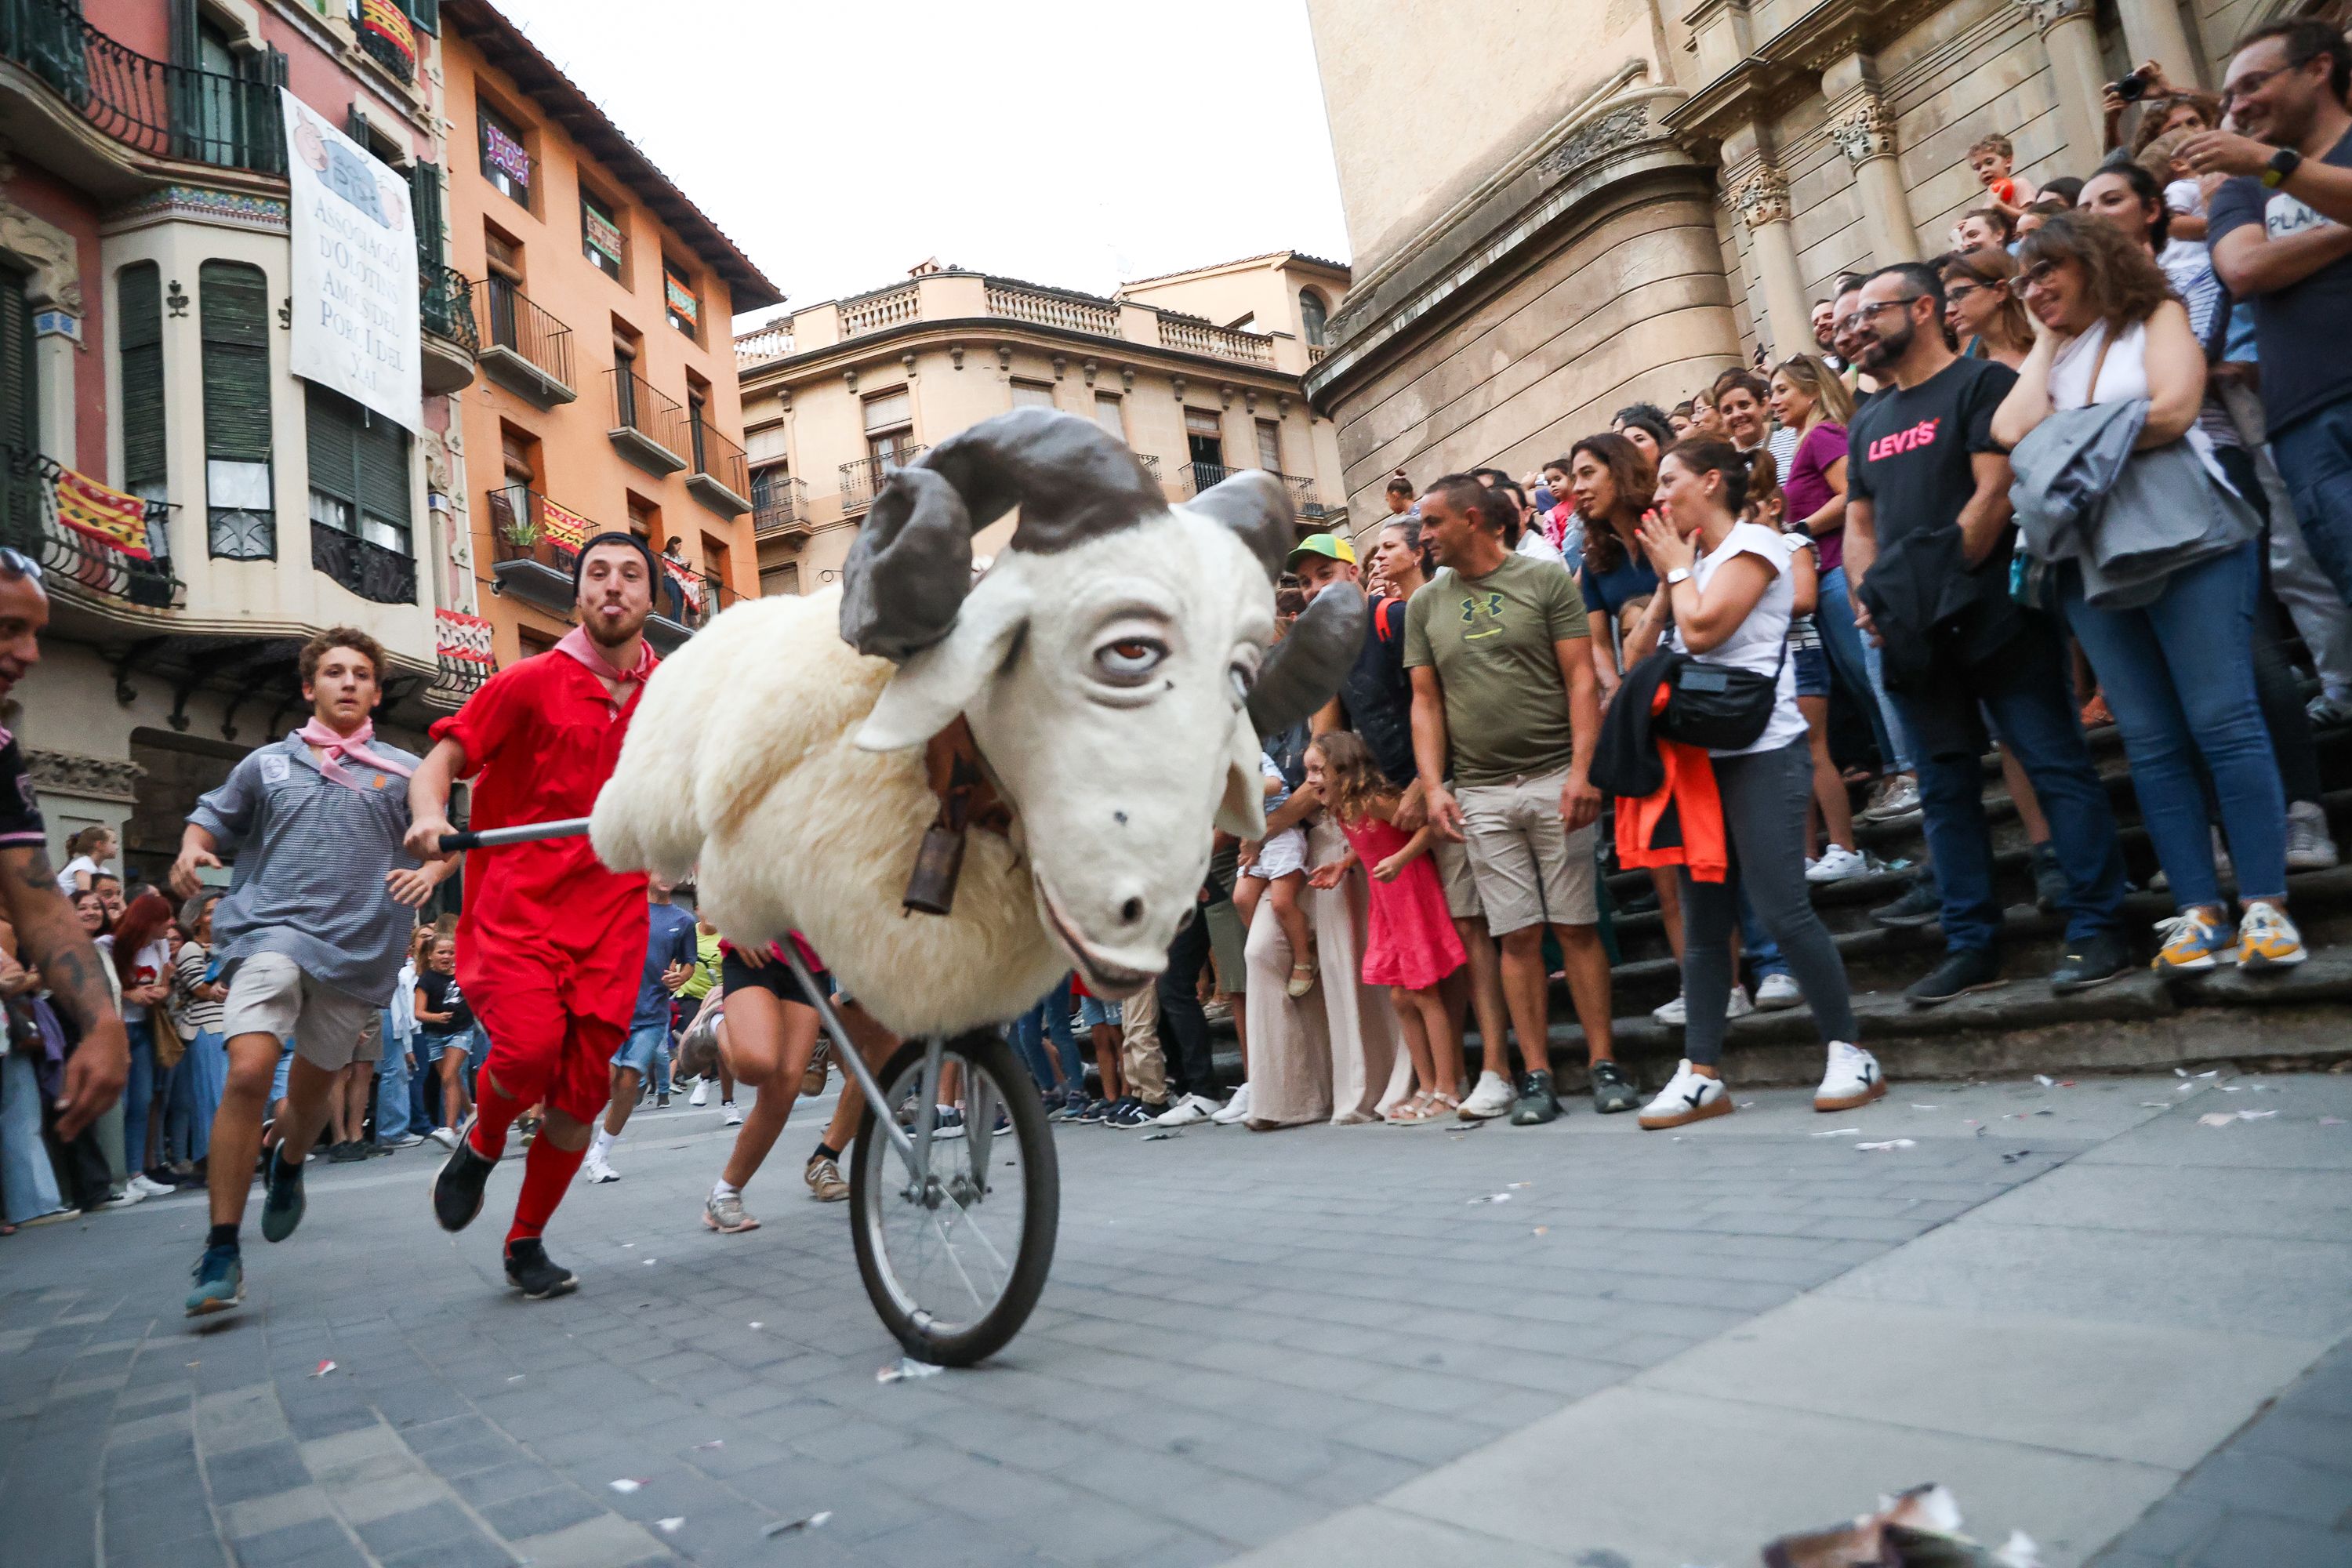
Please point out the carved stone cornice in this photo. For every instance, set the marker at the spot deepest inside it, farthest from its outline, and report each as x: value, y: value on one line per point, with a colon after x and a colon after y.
x: 2048, y: 13
x: 1864, y: 128
x: 1591, y: 143
x: 69, y: 773
x: 1762, y: 198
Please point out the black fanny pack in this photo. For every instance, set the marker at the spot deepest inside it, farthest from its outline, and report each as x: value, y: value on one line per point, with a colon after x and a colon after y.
x: 1718, y: 706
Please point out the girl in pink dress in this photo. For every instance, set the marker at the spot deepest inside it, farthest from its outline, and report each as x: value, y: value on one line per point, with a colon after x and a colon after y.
x: 1411, y: 945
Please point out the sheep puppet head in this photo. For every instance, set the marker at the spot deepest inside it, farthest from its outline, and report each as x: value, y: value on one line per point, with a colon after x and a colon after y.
x: 1116, y: 663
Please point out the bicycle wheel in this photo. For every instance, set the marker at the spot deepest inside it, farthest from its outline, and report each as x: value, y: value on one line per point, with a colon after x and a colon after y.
x: 953, y: 1258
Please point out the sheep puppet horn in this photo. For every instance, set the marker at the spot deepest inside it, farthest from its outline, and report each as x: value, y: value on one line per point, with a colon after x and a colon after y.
x: 1306, y: 667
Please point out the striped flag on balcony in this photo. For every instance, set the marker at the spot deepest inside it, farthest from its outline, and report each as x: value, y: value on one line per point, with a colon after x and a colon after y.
x: 464, y: 637
x: 566, y: 527
x: 115, y: 519
x: 687, y: 582
x: 386, y: 21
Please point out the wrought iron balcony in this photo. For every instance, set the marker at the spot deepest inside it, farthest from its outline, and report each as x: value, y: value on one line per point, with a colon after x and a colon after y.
x: 533, y: 544
x: 721, y: 477
x: 1303, y: 495
x: 779, y: 508
x: 73, y: 562
x: 648, y: 427
x: 149, y: 105
x: 862, y: 479
x: 1199, y: 476
x: 527, y: 349
x: 452, y: 337
x: 379, y: 575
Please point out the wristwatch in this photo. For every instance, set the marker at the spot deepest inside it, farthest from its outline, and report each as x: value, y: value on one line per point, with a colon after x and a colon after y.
x: 2283, y: 165
x: 1679, y: 574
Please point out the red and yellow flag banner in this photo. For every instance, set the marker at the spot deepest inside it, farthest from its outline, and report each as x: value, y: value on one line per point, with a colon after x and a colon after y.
x: 114, y: 520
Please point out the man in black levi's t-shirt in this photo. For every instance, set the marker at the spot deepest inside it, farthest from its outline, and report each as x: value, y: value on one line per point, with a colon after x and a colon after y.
x: 1928, y: 538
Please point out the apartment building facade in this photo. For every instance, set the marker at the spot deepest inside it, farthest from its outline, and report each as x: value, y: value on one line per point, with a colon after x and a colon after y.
x: 1198, y: 371
x: 199, y: 508
x: 608, y: 397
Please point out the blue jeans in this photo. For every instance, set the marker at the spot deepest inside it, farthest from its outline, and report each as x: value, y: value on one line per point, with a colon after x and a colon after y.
x: 638, y: 1051
x: 1029, y: 1031
x: 1763, y: 953
x: 392, y: 1100
x: 26, y: 1179
x: 138, y: 1096
x: 1857, y: 669
x: 2314, y: 457
x: 2032, y: 704
x: 201, y: 1079
x: 2180, y: 675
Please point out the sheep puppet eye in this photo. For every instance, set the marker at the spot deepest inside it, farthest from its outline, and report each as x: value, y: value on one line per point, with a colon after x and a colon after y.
x: 1129, y: 660
x: 1243, y: 674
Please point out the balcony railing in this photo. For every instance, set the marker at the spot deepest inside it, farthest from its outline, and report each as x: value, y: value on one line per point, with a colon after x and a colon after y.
x: 647, y: 427
x: 532, y: 346
x: 75, y: 562
x: 876, y: 312
x: 447, y: 305
x: 1199, y: 476
x: 862, y: 479
x: 533, y: 544
x: 692, y: 607
x: 774, y: 340
x: 1051, y: 309
x: 779, y: 506
x: 1151, y: 464
x: 1315, y: 352
x: 1302, y: 495
x: 720, y: 476
x: 375, y: 574
x: 1196, y: 336
x: 149, y: 105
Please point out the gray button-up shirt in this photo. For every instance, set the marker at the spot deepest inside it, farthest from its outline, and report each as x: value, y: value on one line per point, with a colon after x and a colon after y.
x: 311, y: 857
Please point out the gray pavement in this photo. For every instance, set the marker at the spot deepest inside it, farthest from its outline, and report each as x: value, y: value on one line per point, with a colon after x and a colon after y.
x: 1312, y: 1347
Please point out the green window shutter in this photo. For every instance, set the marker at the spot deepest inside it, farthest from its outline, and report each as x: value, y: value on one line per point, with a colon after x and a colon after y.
x: 426, y: 13
x: 19, y: 418
x: 355, y: 124
x: 233, y: 302
x: 383, y: 451
x: 424, y: 195
x: 333, y: 442
x: 140, y: 330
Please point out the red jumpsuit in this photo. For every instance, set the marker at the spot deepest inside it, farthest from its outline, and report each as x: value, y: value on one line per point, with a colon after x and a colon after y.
x: 551, y: 945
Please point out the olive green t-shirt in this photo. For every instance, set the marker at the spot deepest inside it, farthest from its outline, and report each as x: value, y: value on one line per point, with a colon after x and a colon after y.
x: 1490, y: 640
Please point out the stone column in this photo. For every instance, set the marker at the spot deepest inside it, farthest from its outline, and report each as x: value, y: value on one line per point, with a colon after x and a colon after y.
x: 2153, y: 31
x: 1863, y: 126
x: 2070, y: 33
x: 1762, y: 199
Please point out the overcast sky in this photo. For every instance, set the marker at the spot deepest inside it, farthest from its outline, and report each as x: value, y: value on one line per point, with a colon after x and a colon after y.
x: 1068, y: 142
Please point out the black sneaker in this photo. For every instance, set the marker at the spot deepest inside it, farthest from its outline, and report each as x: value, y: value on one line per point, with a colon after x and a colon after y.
x: 1969, y: 969
x: 2091, y: 963
x: 1133, y: 1112
x: 2049, y: 885
x: 529, y: 1270
x: 661, y: 1102
x: 346, y: 1153
x: 1097, y: 1112
x: 1919, y: 907
x: 282, y: 1204
x: 1612, y: 1090
x: 457, y: 1190
x: 1537, y: 1103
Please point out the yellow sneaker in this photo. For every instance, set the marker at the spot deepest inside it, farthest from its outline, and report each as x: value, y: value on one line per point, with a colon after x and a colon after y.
x: 2268, y: 940
x: 2190, y: 943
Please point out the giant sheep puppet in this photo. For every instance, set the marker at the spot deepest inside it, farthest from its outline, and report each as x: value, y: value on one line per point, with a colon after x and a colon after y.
x: 1114, y: 669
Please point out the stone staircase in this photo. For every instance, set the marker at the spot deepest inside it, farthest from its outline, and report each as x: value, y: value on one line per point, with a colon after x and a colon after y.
x: 2302, y: 1015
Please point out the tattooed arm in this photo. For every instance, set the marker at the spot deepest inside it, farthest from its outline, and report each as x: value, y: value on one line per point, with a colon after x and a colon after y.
x: 53, y: 942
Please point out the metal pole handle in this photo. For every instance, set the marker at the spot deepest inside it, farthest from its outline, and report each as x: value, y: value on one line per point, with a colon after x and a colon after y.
x: 495, y: 838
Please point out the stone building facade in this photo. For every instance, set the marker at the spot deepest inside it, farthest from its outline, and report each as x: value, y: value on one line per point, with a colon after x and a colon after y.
x: 1563, y: 206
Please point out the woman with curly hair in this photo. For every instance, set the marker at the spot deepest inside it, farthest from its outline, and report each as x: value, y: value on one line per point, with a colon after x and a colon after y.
x: 2177, y: 669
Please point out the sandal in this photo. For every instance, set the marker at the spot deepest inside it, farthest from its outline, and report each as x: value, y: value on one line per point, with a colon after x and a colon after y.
x: 1442, y: 1104
x: 1302, y: 979
x: 1411, y: 1113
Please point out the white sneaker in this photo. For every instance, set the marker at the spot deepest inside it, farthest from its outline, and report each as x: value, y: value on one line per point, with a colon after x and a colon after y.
x: 445, y: 1136
x: 149, y: 1189
x: 1737, y: 1005
x: 1236, y: 1109
x: 1689, y: 1096
x: 1490, y: 1098
x: 734, y: 1118
x: 596, y: 1168
x: 2309, y: 846
x: 702, y: 1095
x: 1189, y: 1112
x: 129, y: 1197
x: 1853, y: 1079
x: 2329, y: 709
x: 1900, y: 798
x: 1775, y: 992
x: 1836, y: 864
x: 1673, y: 1015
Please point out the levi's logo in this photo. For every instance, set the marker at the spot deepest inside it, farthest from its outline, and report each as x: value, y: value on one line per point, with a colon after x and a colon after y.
x: 1923, y: 433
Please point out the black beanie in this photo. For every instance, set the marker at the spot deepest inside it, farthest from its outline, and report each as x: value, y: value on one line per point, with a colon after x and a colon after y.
x: 615, y: 536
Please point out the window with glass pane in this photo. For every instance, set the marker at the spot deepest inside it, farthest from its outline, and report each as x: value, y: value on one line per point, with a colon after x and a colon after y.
x: 1032, y: 395
x: 890, y: 429
x: 1313, y: 315
x: 1269, y: 446
x: 1110, y: 413
x: 359, y: 471
x: 680, y: 306
x: 140, y: 333
x: 233, y: 310
x: 506, y: 161
x: 600, y: 236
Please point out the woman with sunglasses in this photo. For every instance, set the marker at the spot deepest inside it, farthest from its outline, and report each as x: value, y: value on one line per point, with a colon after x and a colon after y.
x: 2179, y: 670
x: 1989, y: 320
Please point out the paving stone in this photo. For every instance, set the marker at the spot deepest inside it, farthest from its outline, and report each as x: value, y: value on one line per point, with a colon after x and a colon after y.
x: 319, y: 1542
x: 539, y: 1512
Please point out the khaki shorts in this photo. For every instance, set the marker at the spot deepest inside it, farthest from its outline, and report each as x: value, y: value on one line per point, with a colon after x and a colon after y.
x: 270, y: 995
x: 1453, y: 862
x: 1530, y: 870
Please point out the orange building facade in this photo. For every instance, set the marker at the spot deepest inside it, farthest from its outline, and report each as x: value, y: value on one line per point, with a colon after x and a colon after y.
x: 603, y: 299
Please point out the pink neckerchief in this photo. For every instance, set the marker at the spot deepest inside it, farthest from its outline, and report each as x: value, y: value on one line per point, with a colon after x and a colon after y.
x: 354, y: 745
x: 581, y: 646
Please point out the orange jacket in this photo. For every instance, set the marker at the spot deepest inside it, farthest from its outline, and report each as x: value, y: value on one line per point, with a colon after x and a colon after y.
x: 1682, y: 823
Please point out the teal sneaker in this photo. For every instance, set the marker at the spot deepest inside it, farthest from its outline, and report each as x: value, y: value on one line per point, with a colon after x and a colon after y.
x: 281, y: 1207
x: 220, y: 1281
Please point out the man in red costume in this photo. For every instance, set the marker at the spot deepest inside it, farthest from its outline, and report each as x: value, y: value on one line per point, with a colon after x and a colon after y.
x: 550, y: 943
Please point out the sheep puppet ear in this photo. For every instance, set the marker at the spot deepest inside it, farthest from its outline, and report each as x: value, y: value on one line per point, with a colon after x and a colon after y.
x: 934, y: 685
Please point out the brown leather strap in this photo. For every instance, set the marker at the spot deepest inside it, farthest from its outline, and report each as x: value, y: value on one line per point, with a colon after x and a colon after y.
x: 951, y: 766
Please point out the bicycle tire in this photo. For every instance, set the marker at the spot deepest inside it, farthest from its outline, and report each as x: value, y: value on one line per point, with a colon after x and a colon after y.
x: 1040, y: 1220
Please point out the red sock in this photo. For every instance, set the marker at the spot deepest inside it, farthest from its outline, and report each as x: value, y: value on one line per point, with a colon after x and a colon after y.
x: 547, y: 1171
x: 493, y: 1113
